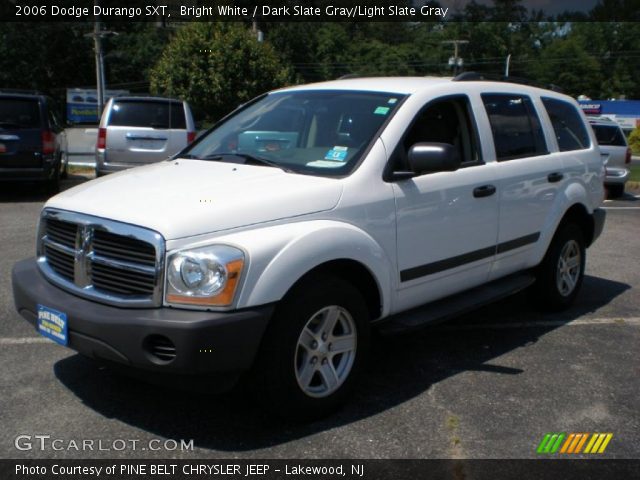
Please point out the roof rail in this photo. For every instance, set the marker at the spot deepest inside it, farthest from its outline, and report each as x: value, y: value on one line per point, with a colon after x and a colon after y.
x: 490, y: 77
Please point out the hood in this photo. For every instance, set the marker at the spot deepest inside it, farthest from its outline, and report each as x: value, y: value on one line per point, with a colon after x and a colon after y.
x: 182, y: 198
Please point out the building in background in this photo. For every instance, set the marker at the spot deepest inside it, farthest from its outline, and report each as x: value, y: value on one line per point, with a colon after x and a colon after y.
x: 624, y: 112
x: 82, y: 104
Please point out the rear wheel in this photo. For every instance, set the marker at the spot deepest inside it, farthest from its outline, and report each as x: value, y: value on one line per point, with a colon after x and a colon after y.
x: 314, y: 349
x: 52, y: 185
x: 559, y: 276
x: 615, y: 191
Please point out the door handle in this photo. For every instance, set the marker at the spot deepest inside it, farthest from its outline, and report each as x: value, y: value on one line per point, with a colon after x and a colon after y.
x: 484, y: 191
x: 555, y: 177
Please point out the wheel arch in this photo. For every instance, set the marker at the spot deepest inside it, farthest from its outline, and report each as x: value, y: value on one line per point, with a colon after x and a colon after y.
x: 353, y: 272
x: 579, y: 215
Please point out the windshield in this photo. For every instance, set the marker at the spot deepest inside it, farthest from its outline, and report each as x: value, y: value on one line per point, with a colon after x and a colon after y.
x: 314, y: 132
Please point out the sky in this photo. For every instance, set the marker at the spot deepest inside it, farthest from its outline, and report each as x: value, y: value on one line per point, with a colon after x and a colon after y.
x: 548, y: 6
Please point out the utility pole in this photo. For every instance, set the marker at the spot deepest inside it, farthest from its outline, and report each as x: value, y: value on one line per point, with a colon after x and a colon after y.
x: 97, y: 39
x: 98, y: 35
x: 506, y: 66
x: 456, y: 61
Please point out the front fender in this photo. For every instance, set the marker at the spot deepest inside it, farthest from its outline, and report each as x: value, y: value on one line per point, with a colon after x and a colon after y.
x: 281, y: 255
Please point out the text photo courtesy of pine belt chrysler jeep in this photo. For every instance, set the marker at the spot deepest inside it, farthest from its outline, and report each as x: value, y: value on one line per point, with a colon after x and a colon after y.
x: 272, y: 246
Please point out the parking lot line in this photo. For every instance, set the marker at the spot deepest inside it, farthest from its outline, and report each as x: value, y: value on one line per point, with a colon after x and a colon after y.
x: 633, y: 321
x: 24, y: 340
x: 620, y: 208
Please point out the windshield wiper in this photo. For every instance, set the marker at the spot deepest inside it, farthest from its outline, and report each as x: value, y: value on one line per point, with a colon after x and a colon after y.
x: 247, y: 158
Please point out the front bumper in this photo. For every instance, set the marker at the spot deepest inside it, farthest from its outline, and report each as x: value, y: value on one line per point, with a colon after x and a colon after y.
x: 205, y: 342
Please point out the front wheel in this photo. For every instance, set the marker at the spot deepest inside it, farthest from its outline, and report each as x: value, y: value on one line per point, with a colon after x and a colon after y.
x: 559, y: 276
x: 314, y: 349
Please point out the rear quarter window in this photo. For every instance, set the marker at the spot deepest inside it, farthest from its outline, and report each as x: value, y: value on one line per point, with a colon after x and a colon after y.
x: 609, y: 135
x: 150, y: 114
x: 568, y: 125
x: 515, y: 126
x: 19, y: 113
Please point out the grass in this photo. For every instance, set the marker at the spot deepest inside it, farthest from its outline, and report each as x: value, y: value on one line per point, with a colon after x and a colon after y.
x: 80, y: 170
x: 635, y: 173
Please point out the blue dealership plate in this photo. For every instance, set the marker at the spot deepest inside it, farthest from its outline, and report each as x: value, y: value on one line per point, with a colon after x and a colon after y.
x: 52, y: 324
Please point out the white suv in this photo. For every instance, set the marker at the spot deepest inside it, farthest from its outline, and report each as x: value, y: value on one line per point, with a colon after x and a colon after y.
x: 308, y: 217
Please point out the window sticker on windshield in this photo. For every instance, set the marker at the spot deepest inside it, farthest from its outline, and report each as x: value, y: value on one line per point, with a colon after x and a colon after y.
x: 381, y: 110
x: 337, y: 154
x: 392, y: 101
x: 325, y: 164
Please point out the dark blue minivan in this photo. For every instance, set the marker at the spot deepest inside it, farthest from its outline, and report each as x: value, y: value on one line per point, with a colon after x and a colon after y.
x: 32, y: 140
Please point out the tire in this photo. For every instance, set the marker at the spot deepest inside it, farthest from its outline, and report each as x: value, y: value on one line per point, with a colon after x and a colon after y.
x: 65, y: 169
x: 52, y: 186
x: 298, y: 373
x: 557, y: 281
x: 615, y: 191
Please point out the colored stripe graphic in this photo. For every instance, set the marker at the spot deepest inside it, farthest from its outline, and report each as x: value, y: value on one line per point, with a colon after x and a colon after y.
x: 574, y: 442
x: 550, y: 443
x: 598, y: 442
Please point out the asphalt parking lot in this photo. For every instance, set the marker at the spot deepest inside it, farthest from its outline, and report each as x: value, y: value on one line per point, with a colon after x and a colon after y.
x: 486, y: 385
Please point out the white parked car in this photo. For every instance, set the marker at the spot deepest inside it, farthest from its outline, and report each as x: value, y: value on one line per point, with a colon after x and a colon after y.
x: 616, y: 154
x: 311, y: 215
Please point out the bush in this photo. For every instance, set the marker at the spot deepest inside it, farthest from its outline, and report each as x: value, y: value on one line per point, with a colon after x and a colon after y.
x: 216, y: 67
x: 634, y: 141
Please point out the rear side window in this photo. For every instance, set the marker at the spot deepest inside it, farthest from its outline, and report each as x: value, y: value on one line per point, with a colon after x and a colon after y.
x: 19, y: 113
x: 609, y: 135
x: 515, y: 126
x: 147, y: 113
x: 567, y: 125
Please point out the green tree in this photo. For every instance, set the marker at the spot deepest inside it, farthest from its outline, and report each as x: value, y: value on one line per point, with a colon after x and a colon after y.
x: 634, y: 141
x: 216, y: 67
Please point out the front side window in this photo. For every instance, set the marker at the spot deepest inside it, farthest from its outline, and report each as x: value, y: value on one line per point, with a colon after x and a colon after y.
x: 567, y: 125
x: 313, y: 132
x: 515, y: 126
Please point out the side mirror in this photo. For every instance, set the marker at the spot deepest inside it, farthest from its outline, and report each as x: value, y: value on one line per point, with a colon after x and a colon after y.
x: 433, y: 157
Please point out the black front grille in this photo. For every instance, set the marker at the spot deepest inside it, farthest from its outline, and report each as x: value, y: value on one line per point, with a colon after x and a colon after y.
x: 60, y: 262
x: 120, y: 281
x: 119, y: 247
x: 63, y: 233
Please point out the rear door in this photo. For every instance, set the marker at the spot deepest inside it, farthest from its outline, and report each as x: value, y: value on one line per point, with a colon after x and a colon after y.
x: 528, y: 177
x: 20, y: 132
x: 143, y: 131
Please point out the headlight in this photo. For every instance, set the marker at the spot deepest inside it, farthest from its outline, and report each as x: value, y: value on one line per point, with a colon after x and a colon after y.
x: 205, y: 276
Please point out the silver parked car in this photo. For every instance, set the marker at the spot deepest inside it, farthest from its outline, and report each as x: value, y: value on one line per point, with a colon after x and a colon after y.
x: 615, y: 152
x: 140, y: 130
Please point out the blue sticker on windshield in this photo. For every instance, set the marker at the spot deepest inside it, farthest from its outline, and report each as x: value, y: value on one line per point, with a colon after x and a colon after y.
x: 381, y: 110
x: 337, y: 154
